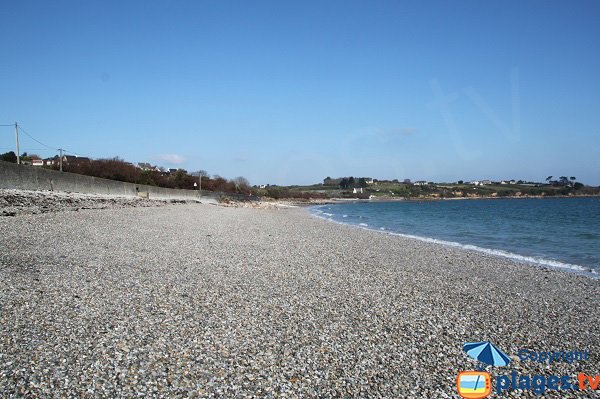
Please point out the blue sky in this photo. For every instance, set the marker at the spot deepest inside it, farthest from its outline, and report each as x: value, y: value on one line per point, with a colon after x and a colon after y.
x: 289, y: 92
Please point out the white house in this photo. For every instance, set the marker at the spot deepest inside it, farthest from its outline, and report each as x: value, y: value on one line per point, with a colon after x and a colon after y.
x: 421, y: 183
x: 37, y: 162
x: 357, y: 190
x: 481, y: 182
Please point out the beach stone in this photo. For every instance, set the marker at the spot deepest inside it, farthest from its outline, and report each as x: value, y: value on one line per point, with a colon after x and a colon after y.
x: 190, y: 300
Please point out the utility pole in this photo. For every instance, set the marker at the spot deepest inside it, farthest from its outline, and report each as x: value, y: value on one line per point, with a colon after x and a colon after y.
x: 60, y: 159
x: 17, y: 138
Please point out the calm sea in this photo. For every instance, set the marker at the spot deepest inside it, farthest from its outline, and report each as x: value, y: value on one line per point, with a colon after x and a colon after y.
x: 556, y: 232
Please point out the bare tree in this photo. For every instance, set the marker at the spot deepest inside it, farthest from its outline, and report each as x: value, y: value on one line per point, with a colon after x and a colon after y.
x: 241, y: 183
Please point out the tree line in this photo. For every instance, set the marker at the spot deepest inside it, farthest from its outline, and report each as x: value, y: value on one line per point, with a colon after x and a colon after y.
x: 564, y: 181
x: 117, y: 169
x: 346, y: 182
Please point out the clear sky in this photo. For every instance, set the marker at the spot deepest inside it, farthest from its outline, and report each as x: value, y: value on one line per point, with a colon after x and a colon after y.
x: 289, y: 92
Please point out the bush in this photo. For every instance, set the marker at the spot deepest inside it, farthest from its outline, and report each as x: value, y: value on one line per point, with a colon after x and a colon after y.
x: 9, y: 157
x: 118, y: 169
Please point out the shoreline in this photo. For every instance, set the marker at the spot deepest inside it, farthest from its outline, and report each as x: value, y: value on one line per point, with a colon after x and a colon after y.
x: 526, y: 260
x: 198, y: 300
x: 14, y: 202
x: 320, y: 201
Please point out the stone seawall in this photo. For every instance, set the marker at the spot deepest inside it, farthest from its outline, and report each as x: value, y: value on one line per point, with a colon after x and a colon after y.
x: 25, y: 177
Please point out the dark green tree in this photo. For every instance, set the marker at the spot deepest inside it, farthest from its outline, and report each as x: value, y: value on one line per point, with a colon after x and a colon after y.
x: 9, y: 157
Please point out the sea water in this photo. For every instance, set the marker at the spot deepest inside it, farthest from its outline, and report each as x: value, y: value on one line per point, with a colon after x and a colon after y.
x: 555, y: 232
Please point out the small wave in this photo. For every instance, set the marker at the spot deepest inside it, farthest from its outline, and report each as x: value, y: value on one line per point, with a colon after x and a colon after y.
x: 504, y: 254
x: 328, y: 214
x: 494, y: 252
x: 344, y: 216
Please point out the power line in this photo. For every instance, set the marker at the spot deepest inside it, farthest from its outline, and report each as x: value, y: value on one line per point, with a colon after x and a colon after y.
x: 72, y: 153
x: 39, y: 142
x: 34, y: 139
x: 45, y: 145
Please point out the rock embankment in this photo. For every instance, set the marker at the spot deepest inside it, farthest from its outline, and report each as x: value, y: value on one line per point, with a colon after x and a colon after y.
x: 24, y: 202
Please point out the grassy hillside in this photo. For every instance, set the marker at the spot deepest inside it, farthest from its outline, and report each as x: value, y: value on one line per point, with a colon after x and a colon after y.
x: 391, y: 190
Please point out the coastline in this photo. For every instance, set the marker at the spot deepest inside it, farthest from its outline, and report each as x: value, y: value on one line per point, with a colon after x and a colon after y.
x: 524, y: 259
x: 320, y: 201
x: 392, y: 199
x: 197, y: 299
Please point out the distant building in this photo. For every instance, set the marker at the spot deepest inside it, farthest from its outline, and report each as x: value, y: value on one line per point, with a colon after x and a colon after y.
x: 421, y: 183
x: 481, y: 182
x: 407, y: 181
x: 144, y: 166
x: 37, y: 162
x: 357, y: 190
x: 147, y: 167
x: 72, y: 159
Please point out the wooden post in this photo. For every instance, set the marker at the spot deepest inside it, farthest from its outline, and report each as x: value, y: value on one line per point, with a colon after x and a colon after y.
x: 17, y: 139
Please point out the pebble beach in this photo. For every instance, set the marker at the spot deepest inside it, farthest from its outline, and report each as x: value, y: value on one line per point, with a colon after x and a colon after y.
x: 199, y: 300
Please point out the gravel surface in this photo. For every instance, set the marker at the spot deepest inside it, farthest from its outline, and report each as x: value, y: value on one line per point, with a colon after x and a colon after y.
x: 206, y: 301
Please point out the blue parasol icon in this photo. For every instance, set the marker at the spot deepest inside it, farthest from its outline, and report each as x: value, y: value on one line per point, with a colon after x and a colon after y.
x: 486, y: 352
